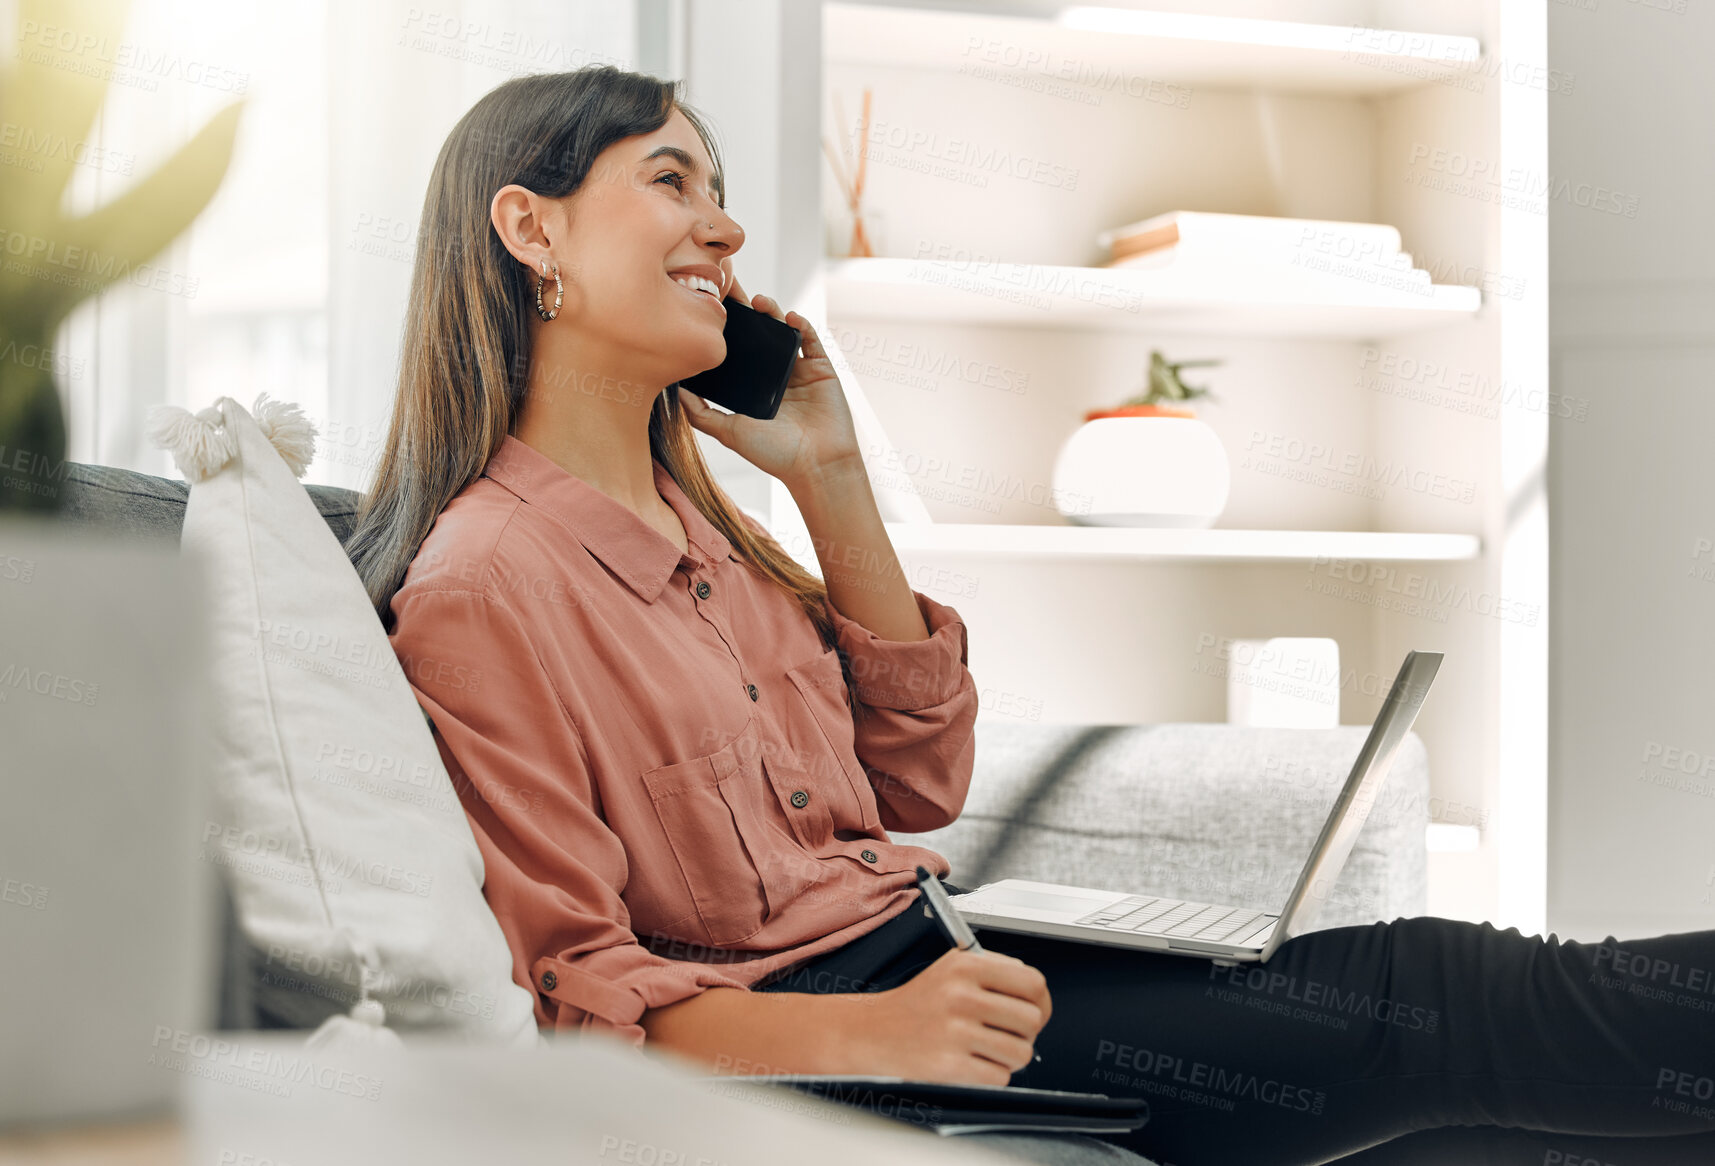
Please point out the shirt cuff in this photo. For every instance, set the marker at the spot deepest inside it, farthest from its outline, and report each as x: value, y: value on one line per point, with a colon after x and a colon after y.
x: 908, y: 675
x: 594, y: 1001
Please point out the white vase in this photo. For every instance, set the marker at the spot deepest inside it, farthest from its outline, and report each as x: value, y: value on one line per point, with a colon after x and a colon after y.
x: 1142, y: 471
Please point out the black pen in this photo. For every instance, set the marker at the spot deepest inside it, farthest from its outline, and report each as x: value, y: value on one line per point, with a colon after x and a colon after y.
x: 941, y: 909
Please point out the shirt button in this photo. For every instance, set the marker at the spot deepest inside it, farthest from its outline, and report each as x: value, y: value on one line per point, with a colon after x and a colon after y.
x: 702, y: 590
x: 751, y: 688
x: 549, y: 981
x: 869, y: 856
x: 800, y: 798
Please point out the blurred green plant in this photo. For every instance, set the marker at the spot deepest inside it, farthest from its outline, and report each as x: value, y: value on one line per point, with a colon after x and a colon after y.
x: 1164, y: 385
x: 50, y: 262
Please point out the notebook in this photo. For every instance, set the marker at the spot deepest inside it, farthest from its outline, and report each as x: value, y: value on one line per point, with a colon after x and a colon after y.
x: 962, y: 1109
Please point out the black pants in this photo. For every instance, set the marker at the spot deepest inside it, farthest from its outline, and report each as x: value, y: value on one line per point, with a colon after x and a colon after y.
x: 1421, y: 1042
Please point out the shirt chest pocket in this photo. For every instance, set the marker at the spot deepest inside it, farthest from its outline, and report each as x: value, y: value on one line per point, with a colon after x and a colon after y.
x: 821, y: 685
x: 715, y: 812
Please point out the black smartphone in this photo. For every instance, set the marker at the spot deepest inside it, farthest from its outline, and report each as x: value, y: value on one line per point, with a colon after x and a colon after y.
x: 760, y: 353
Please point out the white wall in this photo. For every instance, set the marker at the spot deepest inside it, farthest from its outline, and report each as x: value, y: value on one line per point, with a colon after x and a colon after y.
x: 1632, y: 624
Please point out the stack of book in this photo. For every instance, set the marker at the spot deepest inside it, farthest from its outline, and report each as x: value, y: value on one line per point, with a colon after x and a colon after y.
x: 1266, y: 252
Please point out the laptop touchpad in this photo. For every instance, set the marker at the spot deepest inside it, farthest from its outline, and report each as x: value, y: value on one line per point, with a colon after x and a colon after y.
x: 1045, y: 901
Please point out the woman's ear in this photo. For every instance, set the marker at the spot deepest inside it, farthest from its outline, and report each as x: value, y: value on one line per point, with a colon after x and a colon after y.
x: 517, y: 215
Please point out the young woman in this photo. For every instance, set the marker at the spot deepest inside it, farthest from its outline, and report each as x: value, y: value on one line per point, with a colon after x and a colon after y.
x: 681, y: 753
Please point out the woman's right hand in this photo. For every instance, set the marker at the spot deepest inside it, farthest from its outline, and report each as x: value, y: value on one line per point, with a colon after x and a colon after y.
x: 969, y: 1018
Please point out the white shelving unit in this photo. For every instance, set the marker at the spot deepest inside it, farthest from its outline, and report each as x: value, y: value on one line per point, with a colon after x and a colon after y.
x: 1188, y: 48
x: 1111, y: 544
x: 1005, y: 135
x: 1134, y: 300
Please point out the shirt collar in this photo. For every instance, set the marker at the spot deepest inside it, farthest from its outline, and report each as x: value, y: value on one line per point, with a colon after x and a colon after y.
x: 640, y: 555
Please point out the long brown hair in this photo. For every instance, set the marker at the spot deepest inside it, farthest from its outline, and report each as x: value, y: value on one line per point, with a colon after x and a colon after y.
x: 466, y: 351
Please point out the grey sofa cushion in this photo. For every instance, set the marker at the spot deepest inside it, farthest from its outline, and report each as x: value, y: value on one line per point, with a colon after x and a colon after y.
x: 132, y: 504
x: 1214, y: 813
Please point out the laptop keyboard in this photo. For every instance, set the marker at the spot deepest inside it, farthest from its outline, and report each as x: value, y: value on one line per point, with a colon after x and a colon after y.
x: 1179, y: 919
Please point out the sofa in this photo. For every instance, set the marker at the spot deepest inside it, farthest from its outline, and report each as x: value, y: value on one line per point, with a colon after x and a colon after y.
x: 1207, y: 812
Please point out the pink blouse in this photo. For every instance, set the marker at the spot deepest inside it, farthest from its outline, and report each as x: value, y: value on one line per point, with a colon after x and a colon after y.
x: 653, y: 748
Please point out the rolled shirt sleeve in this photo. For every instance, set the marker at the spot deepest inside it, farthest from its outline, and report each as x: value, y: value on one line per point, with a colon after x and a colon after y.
x: 915, y: 729
x: 554, y: 869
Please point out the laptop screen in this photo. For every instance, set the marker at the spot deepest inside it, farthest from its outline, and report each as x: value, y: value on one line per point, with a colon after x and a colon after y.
x: 1352, y: 808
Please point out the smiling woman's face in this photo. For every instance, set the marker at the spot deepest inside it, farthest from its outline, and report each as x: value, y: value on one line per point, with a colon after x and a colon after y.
x: 645, y: 211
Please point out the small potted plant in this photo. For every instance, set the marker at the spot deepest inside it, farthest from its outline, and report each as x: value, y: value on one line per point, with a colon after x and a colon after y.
x: 1147, y: 461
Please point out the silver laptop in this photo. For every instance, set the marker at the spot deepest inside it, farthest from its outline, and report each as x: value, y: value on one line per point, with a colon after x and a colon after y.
x: 1225, y: 934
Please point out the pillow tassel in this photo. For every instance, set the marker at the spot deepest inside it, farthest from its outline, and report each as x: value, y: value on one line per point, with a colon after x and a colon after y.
x: 365, y: 1026
x: 360, y: 1028
x: 199, y: 442
x: 288, y: 430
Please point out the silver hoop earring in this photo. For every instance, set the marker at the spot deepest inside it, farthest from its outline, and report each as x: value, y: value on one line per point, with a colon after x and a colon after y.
x: 559, y: 292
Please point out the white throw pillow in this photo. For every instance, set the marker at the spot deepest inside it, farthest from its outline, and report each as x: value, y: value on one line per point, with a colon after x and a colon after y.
x: 351, y: 863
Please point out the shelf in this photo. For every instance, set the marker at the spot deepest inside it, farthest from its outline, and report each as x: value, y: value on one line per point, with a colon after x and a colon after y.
x: 1027, y: 295
x: 1117, y: 543
x: 1128, y: 53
